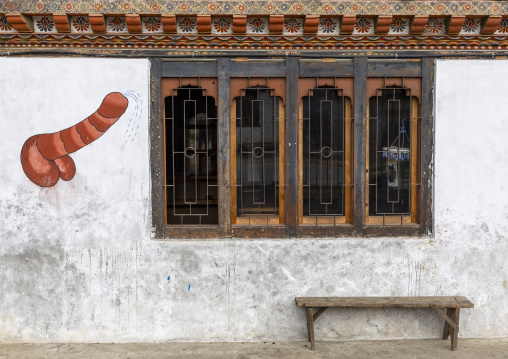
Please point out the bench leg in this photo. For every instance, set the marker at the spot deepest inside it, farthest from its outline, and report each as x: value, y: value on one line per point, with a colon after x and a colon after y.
x: 455, y: 332
x: 446, y: 331
x: 310, y: 328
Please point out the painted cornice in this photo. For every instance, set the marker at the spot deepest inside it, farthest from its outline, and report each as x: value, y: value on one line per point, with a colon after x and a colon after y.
x: 308, y: 7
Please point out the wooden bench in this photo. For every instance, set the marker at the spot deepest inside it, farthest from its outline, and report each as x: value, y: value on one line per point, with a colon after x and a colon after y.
x: 452, y: 305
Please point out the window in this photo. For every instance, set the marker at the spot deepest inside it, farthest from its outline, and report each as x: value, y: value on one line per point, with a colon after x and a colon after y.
x: 393, y: 166
x: 291, y: 147
x: 325, y: 151
x: 190, y: 151
x: 257, y: 135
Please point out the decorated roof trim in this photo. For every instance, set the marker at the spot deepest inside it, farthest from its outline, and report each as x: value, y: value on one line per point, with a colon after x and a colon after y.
x: 253, y: 25
x: 283, y: 43
x: 249, y: 7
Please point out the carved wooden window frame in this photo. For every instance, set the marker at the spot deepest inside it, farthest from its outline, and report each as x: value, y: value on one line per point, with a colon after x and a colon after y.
x: 277, y: 88
x: 344, y: 87
x: 358, y: 70
x: 411, y: 87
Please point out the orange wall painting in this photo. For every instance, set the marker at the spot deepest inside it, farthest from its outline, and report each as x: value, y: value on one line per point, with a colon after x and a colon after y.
x: 45, y: 157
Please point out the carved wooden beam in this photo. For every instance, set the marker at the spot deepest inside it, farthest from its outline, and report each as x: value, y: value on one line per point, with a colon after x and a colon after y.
x: 383, y: 24
x: 311, y: 24
x: 418, y: 24
x: 455, y: 24
x: 276, y: 24
x: 20, y: 22
x: 61, y: 22
x: 133, y: 23
x: 204, y: 24
x: 97, y: 23
x: 169, y: 24
x: 239, y: 24
x: 348, y: 24
x: 490, y: 24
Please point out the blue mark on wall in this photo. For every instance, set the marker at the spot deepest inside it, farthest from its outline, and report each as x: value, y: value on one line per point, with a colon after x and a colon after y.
x: 188, y: 288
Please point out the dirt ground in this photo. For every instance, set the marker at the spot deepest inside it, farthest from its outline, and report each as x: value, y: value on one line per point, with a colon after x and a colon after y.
x: 393, y: 349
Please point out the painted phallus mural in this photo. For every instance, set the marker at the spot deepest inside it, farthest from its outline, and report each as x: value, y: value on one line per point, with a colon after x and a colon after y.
x: 45, y: 157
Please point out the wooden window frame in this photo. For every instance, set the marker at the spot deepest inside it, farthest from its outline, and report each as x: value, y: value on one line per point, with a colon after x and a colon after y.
x: 277, y: 86
x: 345, y: 86
x: 413, y: 86
x: 359, y: 69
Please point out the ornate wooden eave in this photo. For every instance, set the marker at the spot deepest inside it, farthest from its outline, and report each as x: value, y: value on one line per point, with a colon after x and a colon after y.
x: 255, y: 25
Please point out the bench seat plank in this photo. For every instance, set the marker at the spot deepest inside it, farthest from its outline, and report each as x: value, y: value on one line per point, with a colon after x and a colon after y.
x: 385, y: 302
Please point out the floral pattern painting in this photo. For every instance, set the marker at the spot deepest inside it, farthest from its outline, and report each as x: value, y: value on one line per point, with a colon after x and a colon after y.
x: 293, y: 26
x: 5, y: 26
x: 152, y: 24
x: 257, y: 25
x: 364, y: 26
x: 471, y: 26
x: 502, y: 28
x: 187, y: 25
x: 80, y: 24
x: 435, y: 27
x: 328, y: 26
x: 117, y: 24
x: 222, y: 25
x: 44, y: 24
x: 399, y: 26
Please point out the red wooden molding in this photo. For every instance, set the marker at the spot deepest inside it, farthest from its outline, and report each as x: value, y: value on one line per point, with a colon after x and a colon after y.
x: 348, y: 24
x: 311, y: 24
x: 239, y: 24
x: 276, y: 24
x: 169, y: 24
x: 20, y: 22
x: 204, y: 24
x: 455, y: 24
x: 418, y: 24
x: 133, y: 23
x: 97, y: 23
x: 61, y: 22
x: 383, y: 24
x: 490, y: 25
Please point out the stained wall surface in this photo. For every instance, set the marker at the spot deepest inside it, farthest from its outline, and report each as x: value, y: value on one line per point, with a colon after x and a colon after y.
x: 77, y: 261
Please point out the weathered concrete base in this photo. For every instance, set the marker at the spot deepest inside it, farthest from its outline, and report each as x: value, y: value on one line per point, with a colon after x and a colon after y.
x: 393, y: 349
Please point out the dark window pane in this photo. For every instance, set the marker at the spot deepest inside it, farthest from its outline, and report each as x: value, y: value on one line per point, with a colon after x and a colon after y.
x: 191, y: 157
x: 389, y: 152
x: 323, y: 153
x: 257, y: 152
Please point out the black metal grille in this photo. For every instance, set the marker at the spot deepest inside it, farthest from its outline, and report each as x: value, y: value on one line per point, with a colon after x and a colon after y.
x: 393, y: 120
x: 191, y: 156
x: 324, y: 152
x: 257, y: 152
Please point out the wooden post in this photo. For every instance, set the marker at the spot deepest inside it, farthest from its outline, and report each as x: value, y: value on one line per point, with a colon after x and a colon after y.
x: 156, y: 147
x: 292, y: 71
x: 223, y: 72
x: 446, y: 331
x: 360, y: 138
x: 455, y: 335
x: 427, y: 147
x: 310, y: 325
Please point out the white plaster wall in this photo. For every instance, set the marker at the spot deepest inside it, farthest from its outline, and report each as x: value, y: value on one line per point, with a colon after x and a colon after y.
x: 77, y: 262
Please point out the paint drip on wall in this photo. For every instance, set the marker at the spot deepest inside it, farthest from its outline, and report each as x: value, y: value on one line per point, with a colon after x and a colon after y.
x: 45, y: 157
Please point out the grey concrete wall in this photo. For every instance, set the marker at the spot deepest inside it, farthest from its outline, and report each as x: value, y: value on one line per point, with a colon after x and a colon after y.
x: 77, y: 262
